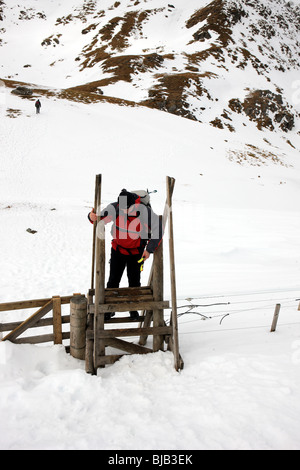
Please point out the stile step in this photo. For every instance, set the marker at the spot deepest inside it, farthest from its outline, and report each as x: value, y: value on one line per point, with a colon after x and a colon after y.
x: 128, y: 306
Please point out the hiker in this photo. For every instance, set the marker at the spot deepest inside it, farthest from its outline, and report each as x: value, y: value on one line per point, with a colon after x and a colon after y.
x: 136, y: 233
x: 38, y: 106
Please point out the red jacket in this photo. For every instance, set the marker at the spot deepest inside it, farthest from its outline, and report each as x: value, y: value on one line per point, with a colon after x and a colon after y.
x: 133, y: 232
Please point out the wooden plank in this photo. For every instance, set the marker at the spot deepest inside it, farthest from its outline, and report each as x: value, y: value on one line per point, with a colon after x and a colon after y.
x: 130, y: 348
x: 39, y: 324
x: 120, y: 291
x: 35, y: 339
x: 114, y: 333
x: 40, y: 339
x: 29, y: 322
x: 128, y: 306
x: 35, y: 303
x: 128, y: 298
x: 170, y: 183
x: 124, y: 290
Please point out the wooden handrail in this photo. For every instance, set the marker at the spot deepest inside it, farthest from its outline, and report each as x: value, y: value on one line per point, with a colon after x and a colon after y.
x: 22, y: 304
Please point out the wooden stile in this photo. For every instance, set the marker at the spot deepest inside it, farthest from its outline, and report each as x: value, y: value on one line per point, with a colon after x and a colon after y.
x: 89, y: 333
x: 148, y: 299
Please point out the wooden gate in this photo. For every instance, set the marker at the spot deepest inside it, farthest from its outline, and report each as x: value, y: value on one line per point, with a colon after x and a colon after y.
x: 16, y: 329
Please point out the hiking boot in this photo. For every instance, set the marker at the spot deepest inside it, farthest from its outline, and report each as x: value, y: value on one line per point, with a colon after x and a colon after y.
x: 108, y: 315
x: 134, y: 315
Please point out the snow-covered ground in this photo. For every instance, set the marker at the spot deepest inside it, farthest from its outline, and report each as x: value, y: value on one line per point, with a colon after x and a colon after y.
x: 237, y: 243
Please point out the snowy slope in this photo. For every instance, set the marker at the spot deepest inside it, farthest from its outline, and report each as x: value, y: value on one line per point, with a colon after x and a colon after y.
x: 237, y: 232
x: 191, y: 58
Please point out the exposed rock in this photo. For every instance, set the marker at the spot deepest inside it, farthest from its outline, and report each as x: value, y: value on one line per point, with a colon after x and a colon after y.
x: 22, y: 91
x: 266, y: 109
x: 1, y: 10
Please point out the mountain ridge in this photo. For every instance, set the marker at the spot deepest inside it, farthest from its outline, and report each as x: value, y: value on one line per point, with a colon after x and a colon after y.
x: 210, y: 61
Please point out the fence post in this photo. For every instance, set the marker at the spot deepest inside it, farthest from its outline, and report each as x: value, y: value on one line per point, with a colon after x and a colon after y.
x: 174, y: 321
x: 158, y: 294
x: 275, y: 318
x: 57, y: 328
x: 78, y: 318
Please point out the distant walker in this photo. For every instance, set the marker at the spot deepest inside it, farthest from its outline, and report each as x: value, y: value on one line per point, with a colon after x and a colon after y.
x: 38, y: 106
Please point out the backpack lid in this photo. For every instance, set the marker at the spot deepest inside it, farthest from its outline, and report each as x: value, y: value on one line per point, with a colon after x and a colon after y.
x: 144, y: 196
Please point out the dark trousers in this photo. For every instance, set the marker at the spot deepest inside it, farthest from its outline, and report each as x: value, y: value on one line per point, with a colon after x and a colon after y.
x: 118, y: 263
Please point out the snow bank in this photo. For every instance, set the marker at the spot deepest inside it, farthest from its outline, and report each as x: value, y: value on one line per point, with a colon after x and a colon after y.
x: 231, y: 395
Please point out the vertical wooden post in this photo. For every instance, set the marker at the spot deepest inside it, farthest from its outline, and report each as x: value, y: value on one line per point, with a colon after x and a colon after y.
x: 158, y: 294
x: 148, y: 313
x: 97, y: 185
x: 170, y: 183
x: 299, y: 306
x: 89, y: 348
x: 78, y: 317
x: 99, y: 345
x: 275, y: 318
x: 57, y: 327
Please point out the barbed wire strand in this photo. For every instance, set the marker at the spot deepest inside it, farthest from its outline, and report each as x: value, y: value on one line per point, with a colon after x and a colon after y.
x: 223, y: 315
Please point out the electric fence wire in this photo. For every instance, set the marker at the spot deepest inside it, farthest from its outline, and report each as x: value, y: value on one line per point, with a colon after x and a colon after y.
x: 284, y: 302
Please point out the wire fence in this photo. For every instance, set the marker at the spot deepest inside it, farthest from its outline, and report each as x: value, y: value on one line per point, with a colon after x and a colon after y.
x: 192, y: 313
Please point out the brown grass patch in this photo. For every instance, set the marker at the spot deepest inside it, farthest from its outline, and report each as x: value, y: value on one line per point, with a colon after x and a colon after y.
x: 81, y: 94
x: 255, y: 156
x: 93, y: 57
x: 216, y: 20
x: 13, y: 113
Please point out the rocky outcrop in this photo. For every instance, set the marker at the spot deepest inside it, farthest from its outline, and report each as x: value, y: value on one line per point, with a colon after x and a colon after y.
x: 265, y: 108
x: 22, y: 91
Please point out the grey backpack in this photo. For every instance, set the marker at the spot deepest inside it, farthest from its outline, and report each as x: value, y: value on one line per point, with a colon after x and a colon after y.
x: 144, y: 196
